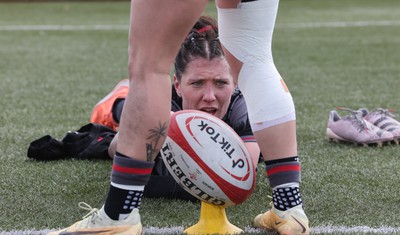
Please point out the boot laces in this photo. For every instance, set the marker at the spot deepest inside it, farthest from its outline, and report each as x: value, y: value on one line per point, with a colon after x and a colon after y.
x: 93, y: 212
x: 356, y: 119
x: 384, y: 112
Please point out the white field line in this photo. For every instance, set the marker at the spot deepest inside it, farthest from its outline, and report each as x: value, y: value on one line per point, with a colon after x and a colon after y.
x: 179, y: 230
x: 340, y: 24
x: 63, y: 27
x: 334, y: 24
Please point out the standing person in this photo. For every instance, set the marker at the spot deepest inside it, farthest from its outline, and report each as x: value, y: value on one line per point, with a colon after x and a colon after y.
x: 246, y: 29
x: 157, y: 29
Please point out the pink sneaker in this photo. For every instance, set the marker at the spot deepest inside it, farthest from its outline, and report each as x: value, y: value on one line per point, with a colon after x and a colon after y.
x: 354, y: 129
x: 384, y: 119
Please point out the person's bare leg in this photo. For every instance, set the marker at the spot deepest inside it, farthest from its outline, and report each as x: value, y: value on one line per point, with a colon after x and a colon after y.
x: 276, y: 141
x: 246, y: 34
x: 157, y: 29
x: 156, y: 32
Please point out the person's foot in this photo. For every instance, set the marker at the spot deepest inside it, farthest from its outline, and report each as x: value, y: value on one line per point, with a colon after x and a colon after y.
x: 97, y: 222
x: 290, y: 222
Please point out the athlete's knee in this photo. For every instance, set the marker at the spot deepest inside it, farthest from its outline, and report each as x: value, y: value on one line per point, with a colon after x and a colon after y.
x: 266, y: 94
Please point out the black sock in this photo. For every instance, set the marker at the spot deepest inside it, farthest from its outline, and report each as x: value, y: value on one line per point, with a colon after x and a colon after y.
x: 286, y: 198
x: 128, y: 178
x: 284, y: 178
x: 121, y: 202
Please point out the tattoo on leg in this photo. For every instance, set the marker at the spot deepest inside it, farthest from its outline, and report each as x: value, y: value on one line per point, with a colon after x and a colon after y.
x: 154, y: 138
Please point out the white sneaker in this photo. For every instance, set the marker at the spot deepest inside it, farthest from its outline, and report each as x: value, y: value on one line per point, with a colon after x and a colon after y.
x: 97, y: 222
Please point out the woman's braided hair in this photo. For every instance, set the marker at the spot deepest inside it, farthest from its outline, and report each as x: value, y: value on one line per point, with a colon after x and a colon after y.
x: 201, y: 42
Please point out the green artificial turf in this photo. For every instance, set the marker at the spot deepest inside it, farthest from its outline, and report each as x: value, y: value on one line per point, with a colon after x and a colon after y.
x: 51, y: 79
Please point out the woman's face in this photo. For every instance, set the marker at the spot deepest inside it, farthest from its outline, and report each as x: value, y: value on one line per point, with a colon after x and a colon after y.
x: 206, y: 86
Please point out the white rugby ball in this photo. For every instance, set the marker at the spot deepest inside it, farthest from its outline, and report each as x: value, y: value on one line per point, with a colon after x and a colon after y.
x: 208, y: 159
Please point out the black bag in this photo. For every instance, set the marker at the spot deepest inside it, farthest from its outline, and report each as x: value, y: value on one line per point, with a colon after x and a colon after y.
x: 91, y: 141
x: 46, y: 148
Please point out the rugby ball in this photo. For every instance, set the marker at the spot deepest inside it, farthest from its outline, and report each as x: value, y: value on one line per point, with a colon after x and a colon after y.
x: 208, y: 159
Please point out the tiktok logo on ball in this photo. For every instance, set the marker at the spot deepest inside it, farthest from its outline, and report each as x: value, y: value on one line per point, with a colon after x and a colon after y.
x: 218, y: 138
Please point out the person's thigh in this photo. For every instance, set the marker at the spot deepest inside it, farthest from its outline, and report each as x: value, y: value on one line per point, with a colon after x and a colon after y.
x: 157, y: 31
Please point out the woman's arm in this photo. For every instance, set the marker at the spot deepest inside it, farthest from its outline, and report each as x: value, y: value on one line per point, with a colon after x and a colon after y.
x: 254, y: 150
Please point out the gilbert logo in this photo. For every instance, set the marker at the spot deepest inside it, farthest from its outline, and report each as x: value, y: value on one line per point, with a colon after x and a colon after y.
x: 186, y: 181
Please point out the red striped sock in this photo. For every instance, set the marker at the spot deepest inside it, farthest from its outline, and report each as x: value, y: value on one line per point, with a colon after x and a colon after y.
x: 128, y: 178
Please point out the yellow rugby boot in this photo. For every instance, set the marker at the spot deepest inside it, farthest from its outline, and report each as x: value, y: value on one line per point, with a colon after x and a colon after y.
x: 290, y: 222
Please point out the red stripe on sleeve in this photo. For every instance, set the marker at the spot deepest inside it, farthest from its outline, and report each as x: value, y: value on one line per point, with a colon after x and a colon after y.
x: 248, y: 138
x: 129, y: 170
x: 280, y: 169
